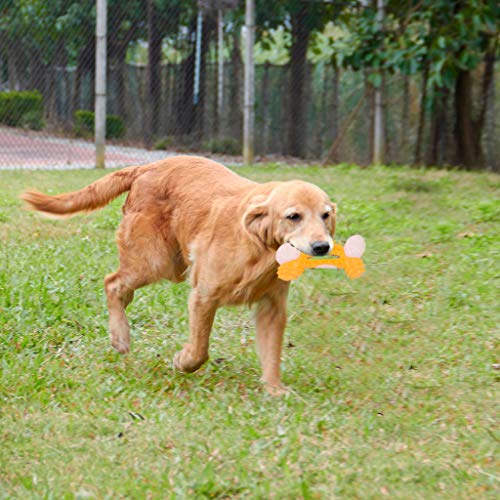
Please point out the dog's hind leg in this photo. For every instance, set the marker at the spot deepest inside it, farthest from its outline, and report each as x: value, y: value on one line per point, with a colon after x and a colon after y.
x: 119, y: 295
x: 145, y: 257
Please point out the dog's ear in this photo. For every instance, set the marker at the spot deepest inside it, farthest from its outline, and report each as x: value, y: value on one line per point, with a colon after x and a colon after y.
x: 257, y: 222
x: 332, y: 220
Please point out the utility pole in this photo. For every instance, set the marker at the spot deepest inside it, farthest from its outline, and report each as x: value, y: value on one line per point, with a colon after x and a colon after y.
x: 197, y: 60
x: 248, y: 109
x: 378, y: 126
x: 100, y: 82
x: 220, y: 73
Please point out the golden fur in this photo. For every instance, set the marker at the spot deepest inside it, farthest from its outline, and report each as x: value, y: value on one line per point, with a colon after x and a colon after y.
x: 189, y: 217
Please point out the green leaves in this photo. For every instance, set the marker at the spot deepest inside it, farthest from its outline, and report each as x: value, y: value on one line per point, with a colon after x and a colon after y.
x: 448, y: 35
x: 375, y: 79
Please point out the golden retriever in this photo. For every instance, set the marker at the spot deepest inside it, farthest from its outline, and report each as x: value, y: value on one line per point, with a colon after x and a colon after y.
x: 190, y: 217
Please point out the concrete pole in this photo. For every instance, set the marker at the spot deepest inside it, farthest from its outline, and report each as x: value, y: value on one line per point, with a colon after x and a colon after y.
x: 100, y: 82
x: 378, y: 126
x: 248, y: 106
x: 197, y: 61
x: 220, y: 79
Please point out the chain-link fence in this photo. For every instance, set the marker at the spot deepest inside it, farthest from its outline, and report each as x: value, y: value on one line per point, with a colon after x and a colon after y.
x: 169, y: 90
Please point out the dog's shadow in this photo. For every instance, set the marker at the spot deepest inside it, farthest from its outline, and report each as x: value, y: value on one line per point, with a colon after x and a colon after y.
x: 230, y: 376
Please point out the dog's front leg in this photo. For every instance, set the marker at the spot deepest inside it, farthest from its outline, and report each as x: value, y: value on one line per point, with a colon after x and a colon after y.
x: 201, y: 317
x: 270, y: 323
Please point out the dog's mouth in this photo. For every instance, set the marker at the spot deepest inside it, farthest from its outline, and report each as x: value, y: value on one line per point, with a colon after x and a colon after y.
x: 311, y: 253
x: 300, y: 250
x: 324, y: 257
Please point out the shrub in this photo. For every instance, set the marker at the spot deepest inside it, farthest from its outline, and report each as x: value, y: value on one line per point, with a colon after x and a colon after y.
x: 85, y: 120
x: 33, y: 120
x: 114, y: 127
x: 226, y: 145
x: 165, y: 143
x: 14, y: 106
x: 84, y: 123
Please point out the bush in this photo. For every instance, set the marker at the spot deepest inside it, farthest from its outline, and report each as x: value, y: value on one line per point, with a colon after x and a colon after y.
x: 226, y: 145
x: 32, y: 120
x: 114, y: 127
x: 85, y: 120
x: 165, y: 143
x: 20, y: 108
x: 84, y: 123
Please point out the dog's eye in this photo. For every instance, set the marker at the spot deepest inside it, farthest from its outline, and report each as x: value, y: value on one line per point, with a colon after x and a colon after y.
x: 325, y: 215
x: 295, y: 216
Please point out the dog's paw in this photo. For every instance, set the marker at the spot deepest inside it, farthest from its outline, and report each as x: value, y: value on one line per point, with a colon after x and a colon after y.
x: 121, y: 346
x: 185, y: 363
x: 276, y: 390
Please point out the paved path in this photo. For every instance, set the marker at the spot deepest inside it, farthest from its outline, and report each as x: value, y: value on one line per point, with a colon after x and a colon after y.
x: 26, y: 150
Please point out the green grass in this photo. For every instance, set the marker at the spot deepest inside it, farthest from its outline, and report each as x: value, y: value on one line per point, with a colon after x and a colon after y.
x: 392, y: 375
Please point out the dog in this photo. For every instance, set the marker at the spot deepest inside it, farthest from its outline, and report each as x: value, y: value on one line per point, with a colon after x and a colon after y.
x: 190, y: 217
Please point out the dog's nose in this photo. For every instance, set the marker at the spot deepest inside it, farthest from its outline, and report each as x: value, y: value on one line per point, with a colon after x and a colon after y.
x: 320, y: 247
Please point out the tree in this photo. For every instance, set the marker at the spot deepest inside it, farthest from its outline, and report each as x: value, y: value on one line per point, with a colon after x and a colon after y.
x: 446, y: 40
x: 461, y: 36
x: 302, y: 18
x: 153, y: 74
x: 125, y: 24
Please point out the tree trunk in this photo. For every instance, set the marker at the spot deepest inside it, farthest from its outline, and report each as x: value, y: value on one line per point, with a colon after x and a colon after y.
x: 265, y: 130
x: 405, y: 120
x: 438, y: 127
x: 77, y: 86
x: 85, y: 64
x: 467, y: 130
x: 332, y: 152
x: 68, y: 98
x: 14, y: 63
x: 370, y: 113
x: 387, y: 149
x: 321, y: 115
x: 491, y: 137
x: 120, y: 75
x: 298, y: 67
x: 379, y: 148
x: 153, y: 75
x: 335, y: 102
x: 235, y: 108
x: 37, y: 71
x: 51, y: 99
x: 185, y: 106
x: 421, y: 119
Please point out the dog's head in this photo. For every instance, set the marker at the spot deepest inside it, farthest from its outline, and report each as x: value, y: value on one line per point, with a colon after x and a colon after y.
x: 295, y: 212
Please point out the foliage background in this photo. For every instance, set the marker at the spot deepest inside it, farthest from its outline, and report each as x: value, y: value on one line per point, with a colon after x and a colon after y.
x: 319, y: 64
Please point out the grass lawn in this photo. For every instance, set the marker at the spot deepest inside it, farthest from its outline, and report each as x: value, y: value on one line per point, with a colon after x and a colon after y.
x: 392, y: 375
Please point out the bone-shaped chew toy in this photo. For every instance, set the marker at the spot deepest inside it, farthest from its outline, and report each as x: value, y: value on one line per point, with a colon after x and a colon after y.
x: 293, y: 263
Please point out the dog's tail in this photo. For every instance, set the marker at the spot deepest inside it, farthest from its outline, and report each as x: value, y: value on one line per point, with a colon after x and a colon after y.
x: 96, y: 195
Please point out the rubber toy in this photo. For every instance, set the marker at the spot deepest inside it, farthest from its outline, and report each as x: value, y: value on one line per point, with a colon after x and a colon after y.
x: 348, y: 257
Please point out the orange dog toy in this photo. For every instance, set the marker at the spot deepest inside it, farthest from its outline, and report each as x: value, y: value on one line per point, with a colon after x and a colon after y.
x: 293, y: 263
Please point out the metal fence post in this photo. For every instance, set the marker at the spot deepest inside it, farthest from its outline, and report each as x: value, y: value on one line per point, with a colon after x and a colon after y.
x: 220, y: 67
x: 248, y: 110
x: 100, y: 83
x: 378, y: 127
